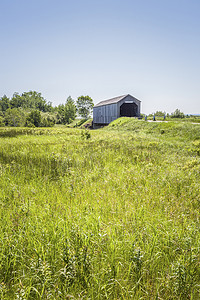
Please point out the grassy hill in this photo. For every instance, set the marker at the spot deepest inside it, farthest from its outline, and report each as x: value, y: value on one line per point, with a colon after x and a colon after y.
x: 178, y: 129
x: 110, y: 215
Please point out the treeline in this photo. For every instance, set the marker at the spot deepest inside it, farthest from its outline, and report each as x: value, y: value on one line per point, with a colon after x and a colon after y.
x: 30, y: 109
x: 176, y: 114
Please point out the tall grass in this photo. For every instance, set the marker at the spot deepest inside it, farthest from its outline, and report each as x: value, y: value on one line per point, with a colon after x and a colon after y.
x: 111, y: 216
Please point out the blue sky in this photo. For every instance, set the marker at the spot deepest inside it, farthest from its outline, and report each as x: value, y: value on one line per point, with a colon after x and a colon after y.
x: 147, y: 48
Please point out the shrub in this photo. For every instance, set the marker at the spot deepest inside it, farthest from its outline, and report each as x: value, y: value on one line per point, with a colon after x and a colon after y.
x: 85, y: 134
x: 177, y: 114
x: 34, y: 118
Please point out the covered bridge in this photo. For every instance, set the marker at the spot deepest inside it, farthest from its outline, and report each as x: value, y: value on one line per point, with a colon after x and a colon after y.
x: 109, y: 110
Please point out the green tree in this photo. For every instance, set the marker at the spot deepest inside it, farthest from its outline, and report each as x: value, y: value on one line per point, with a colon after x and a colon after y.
x: 33, y: 119
x: 17, y: 101
x: 159, y: 113
x: 2, y: 124
x: 35, y: 100
x: 4, y: 103
x: 30, y: 100
x: 60, y: 116
x: 84, y: 106
x: 14, y: 117
x: 69, y: 110
x: 177, y: 114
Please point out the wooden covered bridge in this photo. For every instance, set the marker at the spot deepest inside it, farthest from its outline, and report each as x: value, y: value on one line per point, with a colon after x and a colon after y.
x: 109, y: 110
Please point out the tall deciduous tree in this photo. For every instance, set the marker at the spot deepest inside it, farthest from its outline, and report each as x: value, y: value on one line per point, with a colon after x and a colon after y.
x: 84, y: 106
x: 66, y: 112
x: 4, y: 103
x: 60, y: 116
x: 69, y: 110
x: 178, y: 114
x: 14, y: 117
x: 30, y: 100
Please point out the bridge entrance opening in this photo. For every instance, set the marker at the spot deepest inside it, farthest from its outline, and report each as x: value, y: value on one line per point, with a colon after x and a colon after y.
x: 128, y: 110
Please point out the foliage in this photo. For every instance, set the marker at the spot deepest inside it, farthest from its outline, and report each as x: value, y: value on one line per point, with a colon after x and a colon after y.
x: 66, y: 113
x: 17, y: 101
x: 4, y: 103
x: 80, y: 122
x: 48, y: 120
x: 60, y: 114
x: 85, y: 134
x: 87, y: 124
x: 177, y: 114
x: 33, y: 119
x: 14, y: 117
x: 160, y: 113
x: 2, y: 124
x: 114, y: 216
x: 30, y: 100
x: 84, y: 106
x: 70, y: 110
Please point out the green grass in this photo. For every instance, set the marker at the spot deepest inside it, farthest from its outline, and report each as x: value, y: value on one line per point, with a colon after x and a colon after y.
x: 78, y: 123
x: 113, y: 215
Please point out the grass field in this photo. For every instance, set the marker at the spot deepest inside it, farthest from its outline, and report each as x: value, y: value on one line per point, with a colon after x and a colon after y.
x: 104, y: 214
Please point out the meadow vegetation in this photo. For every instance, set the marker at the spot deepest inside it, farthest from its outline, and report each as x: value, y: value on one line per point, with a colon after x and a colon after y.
x: 30, y: 109
x: 101, y: 214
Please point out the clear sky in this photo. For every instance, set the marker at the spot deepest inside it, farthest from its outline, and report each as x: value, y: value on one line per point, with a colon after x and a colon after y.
x: 103, y: 48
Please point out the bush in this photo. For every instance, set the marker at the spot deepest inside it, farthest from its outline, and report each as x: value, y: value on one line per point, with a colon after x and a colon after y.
x: 34, y: 118
x: 177, y: 114
x: 85, y: 134
x: 48, y: 121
